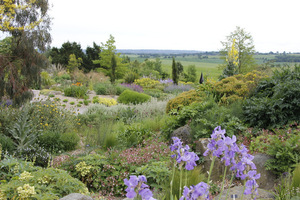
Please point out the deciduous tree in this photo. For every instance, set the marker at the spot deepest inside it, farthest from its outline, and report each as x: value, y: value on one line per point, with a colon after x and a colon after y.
x: 108, y: 50
x: 245, y: 48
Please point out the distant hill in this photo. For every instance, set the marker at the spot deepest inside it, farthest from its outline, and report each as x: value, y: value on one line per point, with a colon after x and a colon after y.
x: 156, y: 51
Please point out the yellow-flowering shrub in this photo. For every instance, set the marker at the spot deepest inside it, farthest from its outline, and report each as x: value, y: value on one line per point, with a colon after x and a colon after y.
x: 185, y: 99
x: 25, y: 176
x: 186, y: 83
x: 83, y: 168
x: 105, y: 101
x: 26, y: 191
x: 236, y: 87
x: 147, y: 83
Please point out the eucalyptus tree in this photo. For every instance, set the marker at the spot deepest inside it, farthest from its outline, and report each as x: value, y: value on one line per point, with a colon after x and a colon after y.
x: 27, y: 25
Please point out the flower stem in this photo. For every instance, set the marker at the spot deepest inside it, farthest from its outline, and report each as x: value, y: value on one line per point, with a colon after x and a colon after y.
x: 229, y: 184
x: 186, y: 178
x: 171, y: 183
x: 180, y: 185
x: 224, y: 175
x: 242, y: 197
x: 211, y: 167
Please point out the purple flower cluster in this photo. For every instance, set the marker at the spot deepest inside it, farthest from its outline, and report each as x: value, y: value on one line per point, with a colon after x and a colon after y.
x: 166, y: 81
x: 134, y: 87
x: 177, y: 88
x: 183, y: 154
x: 6, y: 103
x: 232, y: 155
x: 137, y: 184
x: 192, y: 193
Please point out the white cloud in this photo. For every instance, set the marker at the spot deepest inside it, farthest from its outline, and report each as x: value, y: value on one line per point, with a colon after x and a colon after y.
x: 174, y: 24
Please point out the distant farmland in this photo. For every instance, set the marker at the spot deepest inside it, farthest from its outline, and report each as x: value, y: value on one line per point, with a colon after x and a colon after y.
x: 205, y: 62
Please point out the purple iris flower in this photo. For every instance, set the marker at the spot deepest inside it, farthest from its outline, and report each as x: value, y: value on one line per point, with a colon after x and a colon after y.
x: 251, y: 187
x: 190, y: 158
x: 192, y: 193
x: 137, y: 183
x: 131, y: 185
x: 236, y: 157
x: 218, y: 133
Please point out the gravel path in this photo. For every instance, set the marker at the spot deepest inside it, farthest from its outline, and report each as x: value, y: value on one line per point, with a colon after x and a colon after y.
x: 73, y: 108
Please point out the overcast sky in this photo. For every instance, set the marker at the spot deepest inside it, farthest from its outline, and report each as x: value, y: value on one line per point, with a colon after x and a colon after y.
x: 176, y: 24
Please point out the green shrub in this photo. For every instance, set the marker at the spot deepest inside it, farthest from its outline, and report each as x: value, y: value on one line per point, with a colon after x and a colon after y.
x: 208, y: 118
x: 7, y: 143
x: 69, y: 140
x: 86, y: 102
x: 134, y: 135
x: 75, y: 91
x: 46, y: 79
x: 65, y: 100
x: 285, y: 153
x: 72, y: 102
x: 48, y: 116
x: 55, y: 142
x: 157, y: 173
x: 51, y: 141
x: 106, y: 89
x: 8, y: 117
x: 47, y: 183
x: 120, y: 89
x: 155, y: 93
x: 133, y: 97
x: 100, y: 89
x: 51, y: 95
x: 62, y: 77
x: 108, y: 180
x: 296, y: 181
x: 275, y: 101
x: 130, y: 77
x: 35, y: 153
x: 282, y: 145
x: 23, y: 131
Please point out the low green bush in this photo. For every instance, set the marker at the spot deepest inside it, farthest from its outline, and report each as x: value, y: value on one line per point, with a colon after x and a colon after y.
x: 157, y: 174
x: 134, y: 135
x: 282, y: 145
x: 296, y: 181
x: 36, y: 154
x: 98, y: 174
x: 40, y: 183
x: 120, y: 89
x: 128, y: 97
x: 75, y: 91
x: 155, y: 93
x: 108, y: 89
x: 55, y: 142
x: 7, y: 143
x: 101, y: 89
x: 86, y: 102
x: 70, y: 140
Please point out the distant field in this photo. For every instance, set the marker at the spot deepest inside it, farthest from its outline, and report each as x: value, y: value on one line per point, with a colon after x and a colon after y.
x: 207, y: 64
